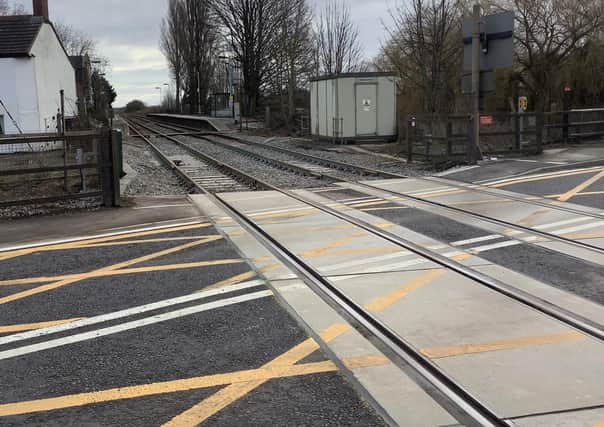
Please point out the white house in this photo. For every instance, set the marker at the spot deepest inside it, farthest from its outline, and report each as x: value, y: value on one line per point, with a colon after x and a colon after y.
x: 34, y: 68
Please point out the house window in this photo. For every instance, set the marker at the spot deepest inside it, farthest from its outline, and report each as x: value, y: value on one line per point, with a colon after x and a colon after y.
x: 2, y: 125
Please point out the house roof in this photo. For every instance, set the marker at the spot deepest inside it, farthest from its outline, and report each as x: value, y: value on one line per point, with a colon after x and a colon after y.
x: 18, y: 34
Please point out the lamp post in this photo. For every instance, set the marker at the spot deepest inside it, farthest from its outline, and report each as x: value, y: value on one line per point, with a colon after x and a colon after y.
x: 160, y: 94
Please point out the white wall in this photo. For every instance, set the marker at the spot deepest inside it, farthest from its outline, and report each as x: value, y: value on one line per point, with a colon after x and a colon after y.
x: 53, y: 72
x: 18, y: 92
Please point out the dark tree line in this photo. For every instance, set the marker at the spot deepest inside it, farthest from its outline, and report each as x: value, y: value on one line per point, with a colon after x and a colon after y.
x: 557, y: 43
x: 277, y: 45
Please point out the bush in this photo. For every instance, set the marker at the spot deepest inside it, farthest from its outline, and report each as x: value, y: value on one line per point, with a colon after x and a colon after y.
x: 134, y: 106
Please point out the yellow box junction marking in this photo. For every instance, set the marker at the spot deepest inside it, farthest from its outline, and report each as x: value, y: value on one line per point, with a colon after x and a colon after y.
x: 105, y: 270
x: 79, y: 243
x: 281, y: 367
x: 579, y: 188
x: 218, y: 401
x: 459, y: 350
x: 32, y: 326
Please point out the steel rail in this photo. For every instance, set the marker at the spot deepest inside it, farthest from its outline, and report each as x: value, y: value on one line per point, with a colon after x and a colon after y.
x: 453, y: 397
x: 499, y: 222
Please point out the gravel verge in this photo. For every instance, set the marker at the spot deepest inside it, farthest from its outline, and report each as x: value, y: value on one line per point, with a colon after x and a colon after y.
x: 152, y: 177
x: 56, y: 208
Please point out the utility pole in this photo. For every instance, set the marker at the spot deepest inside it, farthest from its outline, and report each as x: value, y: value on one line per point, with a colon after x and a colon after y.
x: 473, y: 143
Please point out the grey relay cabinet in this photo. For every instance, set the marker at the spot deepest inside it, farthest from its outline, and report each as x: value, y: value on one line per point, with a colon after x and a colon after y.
x: 354, y: 107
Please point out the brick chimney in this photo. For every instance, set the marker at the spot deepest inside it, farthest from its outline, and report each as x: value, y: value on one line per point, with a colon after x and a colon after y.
x: 41, y: 8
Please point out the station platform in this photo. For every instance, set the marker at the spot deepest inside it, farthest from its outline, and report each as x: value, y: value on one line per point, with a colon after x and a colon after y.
x: 219, y: 124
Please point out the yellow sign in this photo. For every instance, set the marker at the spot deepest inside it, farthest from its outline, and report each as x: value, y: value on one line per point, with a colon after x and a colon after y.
x: 523, y: 103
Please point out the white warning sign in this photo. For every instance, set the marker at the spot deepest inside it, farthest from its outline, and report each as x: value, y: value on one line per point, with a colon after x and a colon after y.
x: 366, y: 104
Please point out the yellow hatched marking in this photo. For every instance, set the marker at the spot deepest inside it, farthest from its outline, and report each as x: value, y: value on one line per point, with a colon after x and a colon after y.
x: 388, y: 300
x: 61, y: 283
x: 218, y: 401
x: 256, y: 375
x: 117, y: 272
x: 231, y: 281
x: 281, y: 367
x: 458, y: 350
x: 39, y: 325
x: 579, y: 188
x: 331, y: 245
x: 367, y: 251
x: 600, y: 424
x: 577, y: 236
x: 542, y: 178
x: 139, y: 242
x: 530, y: 219
x: 428, y: 195
x: 77, y: 244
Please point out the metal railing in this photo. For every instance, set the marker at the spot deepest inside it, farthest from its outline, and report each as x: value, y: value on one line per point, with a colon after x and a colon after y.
x: 47, y: 168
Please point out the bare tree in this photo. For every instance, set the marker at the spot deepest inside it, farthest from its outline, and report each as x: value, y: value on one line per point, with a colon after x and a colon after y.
x: 6, y: 8
x: 75, y: 41
x: 251, y: 27
x: 294, y: 49
x: 548, y: 33
x: 337, y: 38
x: 189, y: 39
x: 424, y: 47
x: 200, y: 42
x: 172, y: 40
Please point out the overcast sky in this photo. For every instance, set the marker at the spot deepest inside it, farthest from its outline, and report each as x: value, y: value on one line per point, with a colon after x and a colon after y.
x: 128, y: 32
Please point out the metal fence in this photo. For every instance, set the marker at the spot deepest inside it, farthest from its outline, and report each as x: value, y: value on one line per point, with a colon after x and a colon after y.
x: 435, y: 137
x: 47, y: 168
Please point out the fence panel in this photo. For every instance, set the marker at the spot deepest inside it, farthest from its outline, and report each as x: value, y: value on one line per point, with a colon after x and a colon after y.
x: 45, y: 168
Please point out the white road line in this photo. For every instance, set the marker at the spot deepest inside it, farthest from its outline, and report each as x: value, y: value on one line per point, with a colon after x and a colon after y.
x: 485, y: 248
x: 363, y: 201
x: 162, y: 207
x: 364, y: 261
x: 127, y: 312
x: 579, y: 228
x: 191, y: 218
x: 542, y: 175
x: 560, y: 223
x: 97, y: 236
x: 131, y: 325
x: 356, y: 199
x: 477, y: 240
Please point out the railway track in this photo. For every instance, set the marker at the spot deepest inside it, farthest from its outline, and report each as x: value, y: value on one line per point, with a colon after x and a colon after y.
x: 199, y: 171
x: 462, y: 404
x: 339, y: 171
x: 468, y: 409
